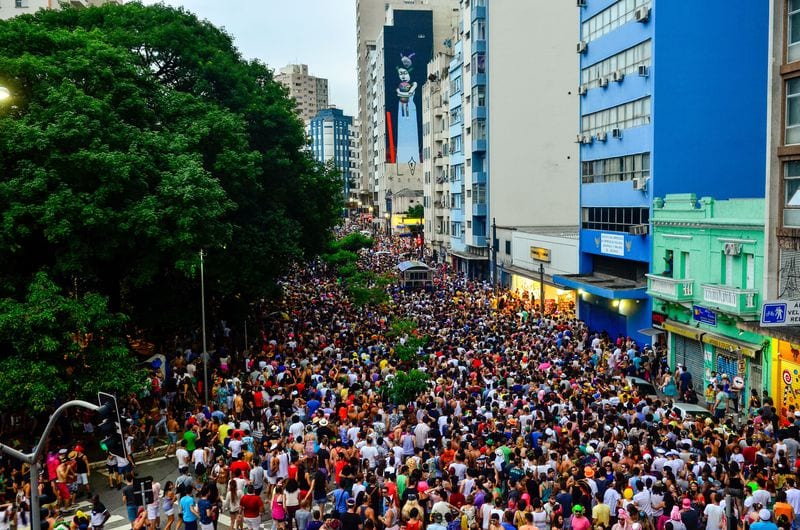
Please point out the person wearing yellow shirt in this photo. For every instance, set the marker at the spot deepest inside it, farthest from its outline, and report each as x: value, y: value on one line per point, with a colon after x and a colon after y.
x: 601, y: 513
x: 224, y: 430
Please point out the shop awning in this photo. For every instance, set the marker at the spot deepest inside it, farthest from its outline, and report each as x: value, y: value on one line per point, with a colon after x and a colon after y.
x: 683, y: 330
x: 651, y: 332
x: 465, y: 255
x: 732, y: 345
x: 604, y: 286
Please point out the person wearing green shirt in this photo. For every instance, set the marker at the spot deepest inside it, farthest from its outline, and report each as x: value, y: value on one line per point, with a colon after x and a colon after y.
x: 190, y: 436
x: 720, y: 404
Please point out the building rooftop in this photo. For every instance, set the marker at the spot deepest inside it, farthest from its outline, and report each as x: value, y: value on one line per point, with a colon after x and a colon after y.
x: 569, y: 232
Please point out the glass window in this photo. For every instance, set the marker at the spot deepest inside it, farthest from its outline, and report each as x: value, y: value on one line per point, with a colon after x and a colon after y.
x: 793, y: 111
x: 611, y: 18
x: 793, y: 37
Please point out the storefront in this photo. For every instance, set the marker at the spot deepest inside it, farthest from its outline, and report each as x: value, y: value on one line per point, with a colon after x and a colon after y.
x: 555, y: 298
x: 785, y: 389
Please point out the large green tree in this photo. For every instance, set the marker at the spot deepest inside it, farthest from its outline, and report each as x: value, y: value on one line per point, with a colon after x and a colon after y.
x: 135, y: 137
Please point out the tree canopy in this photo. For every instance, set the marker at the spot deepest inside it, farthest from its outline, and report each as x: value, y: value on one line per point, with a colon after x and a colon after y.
x: 135, y: 137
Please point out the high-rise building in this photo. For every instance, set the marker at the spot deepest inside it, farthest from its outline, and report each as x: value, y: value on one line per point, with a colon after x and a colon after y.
x: 436, y: 159
x: 654, y: 120
x: 331, y: 141
x: 310, y: 93
x: 12, y: 8
x: 372, y: 17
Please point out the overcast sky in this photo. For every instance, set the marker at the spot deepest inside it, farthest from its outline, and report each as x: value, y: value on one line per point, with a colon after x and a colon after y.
x: 319, y: 33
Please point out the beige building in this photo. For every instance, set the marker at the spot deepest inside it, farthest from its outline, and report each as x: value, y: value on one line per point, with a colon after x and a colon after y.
x: 533, y: 161
x: 436, y: 164
x: 309, y: 92
x: 371, y: 16
x: 12, y: 8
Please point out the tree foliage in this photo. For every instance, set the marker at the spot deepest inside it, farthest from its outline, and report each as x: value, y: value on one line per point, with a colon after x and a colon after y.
x: 404, y: 387
x: 416, y: 212
x: 135, y: 137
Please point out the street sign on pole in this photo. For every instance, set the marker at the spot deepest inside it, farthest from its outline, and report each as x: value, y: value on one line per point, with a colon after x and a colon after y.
x: 776, y: 313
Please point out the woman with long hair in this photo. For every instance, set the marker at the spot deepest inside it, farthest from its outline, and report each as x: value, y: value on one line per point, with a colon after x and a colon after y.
x: 153, y: 508
x: 168, y: 504
x: 291, y: 501
x: 231, y: 505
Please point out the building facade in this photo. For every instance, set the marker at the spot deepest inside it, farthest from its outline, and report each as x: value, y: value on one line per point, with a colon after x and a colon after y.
x: 646, y: 129
x: 387, y: 164
x: 331, y: 137
x: 310, y: 93
x: 12, y: 8
x: 532, y: 160
x: 435, y: 147
x: 708, y: 262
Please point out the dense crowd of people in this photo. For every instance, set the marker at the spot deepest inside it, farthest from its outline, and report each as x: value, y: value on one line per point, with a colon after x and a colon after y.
x: 528, y: 423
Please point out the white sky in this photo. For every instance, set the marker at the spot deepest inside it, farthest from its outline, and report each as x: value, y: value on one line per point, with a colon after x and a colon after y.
x: 319, y: 33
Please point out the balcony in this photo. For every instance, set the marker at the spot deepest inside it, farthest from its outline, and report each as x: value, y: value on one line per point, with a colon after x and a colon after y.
x: 479, y: 209
x: 440, y: 136
x: 742, y: 302
x: 479, y: 177
x: 478, y: 79
x: 672, y: 289
x: 478, y: 241
x: 478, y: 111
x: 478, y: 145
x: 478, y: 12
x: 479, y: 45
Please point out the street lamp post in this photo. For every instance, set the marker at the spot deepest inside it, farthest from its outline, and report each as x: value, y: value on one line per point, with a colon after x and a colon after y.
x: 203, y: 312
x: 541, y: 287
x: 388, y: 218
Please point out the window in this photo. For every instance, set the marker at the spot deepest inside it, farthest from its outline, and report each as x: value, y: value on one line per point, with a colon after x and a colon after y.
x: 625, y: 116
x: 456, y: 115
x: 469, y: 224
x: 613, y: 219
x: 791, y: 212
x: 728, y: 280
x: 479, y: 29
x: 480, y: 63
x: 479, y: 95
x: 479, y: 130
x: 479, y: 193
x: 617, y: 169
x: 793, y: 30
x: 793, y: 111
x: 626, y: 61
x: 455, y: 85
x: 508, y: 247
x: 750, y: 272
x: 686, y: 266
x: 611, y: 18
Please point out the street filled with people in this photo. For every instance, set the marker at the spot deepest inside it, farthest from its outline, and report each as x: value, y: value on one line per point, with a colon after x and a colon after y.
x: 528, y: 421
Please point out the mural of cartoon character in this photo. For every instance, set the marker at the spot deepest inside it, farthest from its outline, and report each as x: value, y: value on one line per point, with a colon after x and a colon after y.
x: 406, y: 88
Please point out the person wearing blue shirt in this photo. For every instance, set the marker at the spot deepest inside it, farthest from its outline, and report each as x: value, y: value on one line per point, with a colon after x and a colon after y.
x: 764, y: 522
x: 189, y: 512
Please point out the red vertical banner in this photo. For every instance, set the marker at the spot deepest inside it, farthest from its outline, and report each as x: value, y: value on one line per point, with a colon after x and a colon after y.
x: 390, y: 128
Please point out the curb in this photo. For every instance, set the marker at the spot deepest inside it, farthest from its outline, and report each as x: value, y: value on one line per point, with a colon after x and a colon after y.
x: 102, y: 463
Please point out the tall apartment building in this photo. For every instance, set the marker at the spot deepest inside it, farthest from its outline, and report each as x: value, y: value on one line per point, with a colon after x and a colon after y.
x: 12, y: 8
x: 373, y: 16
x: 309, y: 92
x: 532, y: 158
x: 436, y: 155
x: 355, y: 163
x: 330, y: 141
x: 655, y: 120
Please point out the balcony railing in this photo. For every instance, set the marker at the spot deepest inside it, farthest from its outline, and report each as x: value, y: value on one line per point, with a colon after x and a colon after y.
x: 673, y: 289
x: 731, y: 299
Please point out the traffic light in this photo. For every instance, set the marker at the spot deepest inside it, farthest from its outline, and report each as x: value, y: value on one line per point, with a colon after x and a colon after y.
x: 112, y: 439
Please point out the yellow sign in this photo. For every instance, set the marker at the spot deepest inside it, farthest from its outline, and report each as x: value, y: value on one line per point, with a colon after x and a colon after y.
x: 540, y: 254
x: 721, y: 343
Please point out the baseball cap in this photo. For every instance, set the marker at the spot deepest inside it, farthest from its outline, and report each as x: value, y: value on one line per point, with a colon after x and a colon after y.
x: 764, y: 514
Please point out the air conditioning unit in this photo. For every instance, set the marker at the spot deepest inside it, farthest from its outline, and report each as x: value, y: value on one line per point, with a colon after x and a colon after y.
x: 733, y: 249
x: 582, y: 90
x: 644, y: 71
x: 639, y: 230
x: 602, y: 136
x: 642, y: 14
x: 616, y: 133
x: 603, y: 81
x: 582, y: 45
x: 586, y: 139
x: 619, y: 75
x: 581, y: 3
x: 640, y: 184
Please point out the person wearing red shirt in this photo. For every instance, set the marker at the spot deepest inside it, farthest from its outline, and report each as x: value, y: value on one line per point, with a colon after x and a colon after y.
x: 252, y: 507
x: 239, y: 468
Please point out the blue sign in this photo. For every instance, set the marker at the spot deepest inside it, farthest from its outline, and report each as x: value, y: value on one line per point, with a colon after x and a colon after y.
x: 704, y: 315
x: 773, y: 313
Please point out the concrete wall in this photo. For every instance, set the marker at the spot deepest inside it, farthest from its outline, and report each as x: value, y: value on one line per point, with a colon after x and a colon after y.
x: 532, y: 112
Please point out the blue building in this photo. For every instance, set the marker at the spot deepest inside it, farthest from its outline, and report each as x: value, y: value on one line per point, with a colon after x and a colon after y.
x: 468, y: 135
x: 673, y: 99
x: 330, y: 140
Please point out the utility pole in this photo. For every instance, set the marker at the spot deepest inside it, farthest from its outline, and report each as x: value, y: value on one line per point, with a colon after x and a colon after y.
x: 541, y: 287
x: 203, y: 312
x: 493, y: 250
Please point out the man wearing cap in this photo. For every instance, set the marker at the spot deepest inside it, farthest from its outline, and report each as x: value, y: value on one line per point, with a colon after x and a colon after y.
x: 764, y: 522
x: 689, y: 516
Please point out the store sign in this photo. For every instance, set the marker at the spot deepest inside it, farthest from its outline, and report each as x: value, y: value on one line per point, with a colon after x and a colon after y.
x: 777, y: 313
x: 704, y: 315
x: 613, y: 244
x: 540, y: 254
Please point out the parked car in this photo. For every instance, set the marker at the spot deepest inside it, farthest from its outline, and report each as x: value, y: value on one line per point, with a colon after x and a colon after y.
x: 685, y: 410
x: 645, y: 388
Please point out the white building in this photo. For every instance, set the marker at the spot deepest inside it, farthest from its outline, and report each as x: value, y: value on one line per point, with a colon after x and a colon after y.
x: 12, y: 8
x: 309, y: 92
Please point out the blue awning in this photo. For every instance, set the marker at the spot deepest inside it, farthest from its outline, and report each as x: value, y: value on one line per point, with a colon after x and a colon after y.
x: 603, y: 286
